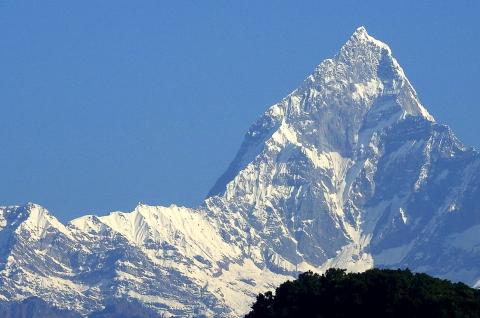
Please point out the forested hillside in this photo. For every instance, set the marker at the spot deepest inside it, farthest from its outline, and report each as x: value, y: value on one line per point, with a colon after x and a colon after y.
x: 374, y: 293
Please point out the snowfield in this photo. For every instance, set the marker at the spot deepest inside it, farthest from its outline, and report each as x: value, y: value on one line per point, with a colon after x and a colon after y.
x: 349, y: 170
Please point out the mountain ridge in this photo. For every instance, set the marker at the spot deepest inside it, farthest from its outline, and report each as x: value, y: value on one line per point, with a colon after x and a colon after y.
x: 349, y: 170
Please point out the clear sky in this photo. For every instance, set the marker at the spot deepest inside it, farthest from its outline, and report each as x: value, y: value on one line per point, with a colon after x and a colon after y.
x: 104, y: 104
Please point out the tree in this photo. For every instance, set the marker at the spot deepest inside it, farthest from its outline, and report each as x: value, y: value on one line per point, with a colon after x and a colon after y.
x: 374, y: 293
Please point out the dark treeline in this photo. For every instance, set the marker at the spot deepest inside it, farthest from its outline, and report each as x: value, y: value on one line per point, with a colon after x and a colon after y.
x: 374, y: 293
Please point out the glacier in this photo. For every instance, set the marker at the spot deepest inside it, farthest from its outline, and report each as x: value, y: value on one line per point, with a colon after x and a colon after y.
x: 349, y: 170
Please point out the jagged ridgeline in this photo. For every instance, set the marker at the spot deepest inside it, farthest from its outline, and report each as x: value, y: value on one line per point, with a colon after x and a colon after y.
x: 349, y: 170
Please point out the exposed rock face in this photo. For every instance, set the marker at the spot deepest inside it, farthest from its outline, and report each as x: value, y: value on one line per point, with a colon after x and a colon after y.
x: 349, y: 170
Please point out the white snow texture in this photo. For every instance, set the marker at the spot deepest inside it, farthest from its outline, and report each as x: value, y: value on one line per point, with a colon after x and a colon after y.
x: 349, y: 170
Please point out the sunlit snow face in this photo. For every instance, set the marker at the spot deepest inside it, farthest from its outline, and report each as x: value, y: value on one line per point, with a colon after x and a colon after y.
x: 349, y: 170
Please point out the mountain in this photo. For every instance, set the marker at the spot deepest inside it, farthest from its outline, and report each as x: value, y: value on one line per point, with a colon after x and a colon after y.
x: 33, y: 307
x: 349, y: 170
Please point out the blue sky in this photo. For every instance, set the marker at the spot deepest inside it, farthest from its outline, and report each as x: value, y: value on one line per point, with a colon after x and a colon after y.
x: 105, y: 104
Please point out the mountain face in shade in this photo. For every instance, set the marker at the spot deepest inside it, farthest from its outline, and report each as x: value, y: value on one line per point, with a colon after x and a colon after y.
x: 349, y: 170
x: 33, y: 308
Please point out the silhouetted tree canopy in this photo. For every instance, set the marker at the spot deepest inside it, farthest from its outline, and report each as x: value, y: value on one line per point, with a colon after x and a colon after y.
x: 374, y: 293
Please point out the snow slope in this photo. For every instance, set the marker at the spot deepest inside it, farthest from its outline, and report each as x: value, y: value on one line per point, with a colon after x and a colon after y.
x: 348, y: 170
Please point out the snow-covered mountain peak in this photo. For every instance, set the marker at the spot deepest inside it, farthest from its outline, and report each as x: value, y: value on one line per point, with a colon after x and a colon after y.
x: 361, y: 30
x: 40, y: 221
x: 369, y: 65
x: 337, y: 109
x: 14, y: 216
x: 362, y: 72
x: 361, y: 36
x: 349, y: 170
x: 87, y: 224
